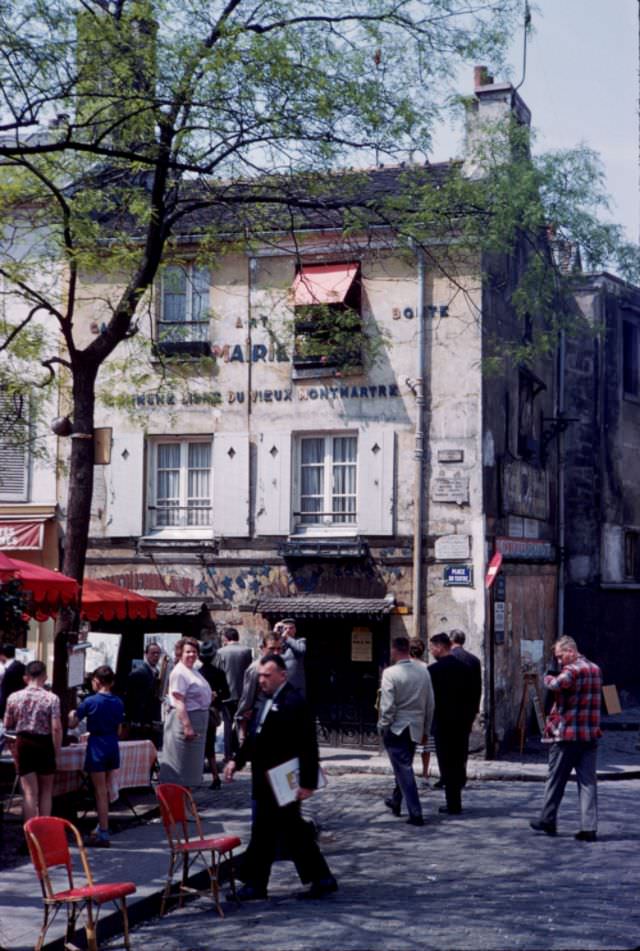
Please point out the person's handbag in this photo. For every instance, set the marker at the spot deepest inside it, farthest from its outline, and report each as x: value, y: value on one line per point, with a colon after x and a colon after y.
x: 215, y: 717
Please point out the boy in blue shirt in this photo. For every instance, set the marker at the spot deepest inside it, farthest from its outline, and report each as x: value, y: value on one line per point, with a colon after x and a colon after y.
x: 104, y: 714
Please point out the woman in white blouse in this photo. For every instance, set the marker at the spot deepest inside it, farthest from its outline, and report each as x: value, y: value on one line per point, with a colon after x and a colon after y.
x: 185, y: 729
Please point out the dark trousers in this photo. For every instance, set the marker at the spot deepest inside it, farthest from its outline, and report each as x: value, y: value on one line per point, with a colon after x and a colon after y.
x: 230, y: 733
x: 281, y: 829
x: 401, y: 749
x: 563, y: 757
x: 452, y: 744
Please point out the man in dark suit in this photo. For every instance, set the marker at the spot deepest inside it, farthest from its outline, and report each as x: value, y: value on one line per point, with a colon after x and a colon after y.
x: 459, y: 651
x: 453, y: 695
x: 13, y: 679
x: 281, y: 729
x: 142, y: 701
x: 232, y: 659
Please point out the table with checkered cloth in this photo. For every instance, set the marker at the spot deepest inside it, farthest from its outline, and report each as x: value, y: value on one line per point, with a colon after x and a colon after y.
x: 136, y: 759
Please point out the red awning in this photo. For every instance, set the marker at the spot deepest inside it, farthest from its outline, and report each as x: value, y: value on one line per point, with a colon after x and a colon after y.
x: 21, y: 534
x: 45, y: 590
x: 102, y: 600
x: 323, y: 283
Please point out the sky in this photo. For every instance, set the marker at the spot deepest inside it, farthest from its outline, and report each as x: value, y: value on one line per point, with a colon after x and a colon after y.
x: 581, y: 86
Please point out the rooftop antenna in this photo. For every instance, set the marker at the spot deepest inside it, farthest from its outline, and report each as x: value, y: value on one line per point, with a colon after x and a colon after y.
x: 527, y: 24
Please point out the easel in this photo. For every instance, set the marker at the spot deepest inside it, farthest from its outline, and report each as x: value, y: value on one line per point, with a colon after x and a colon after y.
x: 530, y: 688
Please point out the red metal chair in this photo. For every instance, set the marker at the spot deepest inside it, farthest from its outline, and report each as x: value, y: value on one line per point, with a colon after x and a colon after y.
x: 178, y: 809
x: 49, y: 848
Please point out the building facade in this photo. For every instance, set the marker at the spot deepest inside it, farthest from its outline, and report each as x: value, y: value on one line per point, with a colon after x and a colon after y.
x: 361, y: 487
x: 601, y: 384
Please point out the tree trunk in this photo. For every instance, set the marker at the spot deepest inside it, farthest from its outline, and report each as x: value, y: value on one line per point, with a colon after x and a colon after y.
x: 79, y: 497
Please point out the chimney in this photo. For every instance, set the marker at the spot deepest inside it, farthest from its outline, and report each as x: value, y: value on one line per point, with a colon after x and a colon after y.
x: 489, y: 108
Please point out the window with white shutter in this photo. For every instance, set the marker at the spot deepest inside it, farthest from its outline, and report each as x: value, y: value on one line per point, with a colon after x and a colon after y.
x: 180, y: 485
x: 326, y: 483
x: 14, y: 448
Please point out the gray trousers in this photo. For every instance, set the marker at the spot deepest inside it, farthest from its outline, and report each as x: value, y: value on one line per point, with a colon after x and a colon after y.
x: 563, y: 757
x: 400, y: 750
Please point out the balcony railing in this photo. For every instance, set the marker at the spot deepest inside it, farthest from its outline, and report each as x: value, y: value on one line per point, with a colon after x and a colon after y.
x: 183, y: 336
x: 196, y: 515
x: 325, y: 518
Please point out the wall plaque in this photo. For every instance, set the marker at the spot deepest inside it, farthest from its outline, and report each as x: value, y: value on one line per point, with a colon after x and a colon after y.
x: 458, y: 576
x: 450, y: 455
x: 452, y: 547
x: 450, y: 489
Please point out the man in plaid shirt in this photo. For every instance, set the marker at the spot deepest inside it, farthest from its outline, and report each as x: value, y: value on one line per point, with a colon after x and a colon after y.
x: 573, y: 727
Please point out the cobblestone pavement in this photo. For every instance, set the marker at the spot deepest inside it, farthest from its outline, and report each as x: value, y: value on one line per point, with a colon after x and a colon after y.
x: 479, y: 881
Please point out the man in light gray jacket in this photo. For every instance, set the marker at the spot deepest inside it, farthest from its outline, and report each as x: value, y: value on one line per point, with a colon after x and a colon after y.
x: 406, y: 711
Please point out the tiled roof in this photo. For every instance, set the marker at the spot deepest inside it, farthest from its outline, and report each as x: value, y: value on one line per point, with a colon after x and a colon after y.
x: 184, y: 608
x: 348, y: 198
x: 325, y: 606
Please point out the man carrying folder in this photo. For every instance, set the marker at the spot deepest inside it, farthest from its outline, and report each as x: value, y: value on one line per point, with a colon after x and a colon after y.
x: 282, y: 728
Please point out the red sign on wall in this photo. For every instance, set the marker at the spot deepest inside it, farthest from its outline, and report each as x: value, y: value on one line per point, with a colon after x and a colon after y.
x: 21, y: 535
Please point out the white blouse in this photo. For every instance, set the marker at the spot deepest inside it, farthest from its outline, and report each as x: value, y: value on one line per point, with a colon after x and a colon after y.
x: 193, y: 687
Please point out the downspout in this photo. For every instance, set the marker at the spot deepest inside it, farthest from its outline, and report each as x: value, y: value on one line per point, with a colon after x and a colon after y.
x: 419, y: 456
x: 252, y: 265
x: 561, y: 482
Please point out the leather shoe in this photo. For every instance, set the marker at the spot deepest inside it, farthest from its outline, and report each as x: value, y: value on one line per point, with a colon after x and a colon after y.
x: 549, y: 828
x: 415, y: 821
x: 586, y: 836
x: 247, y: 893
x: 319, y: 889
x: 450, y: 812
x: 391, y: 804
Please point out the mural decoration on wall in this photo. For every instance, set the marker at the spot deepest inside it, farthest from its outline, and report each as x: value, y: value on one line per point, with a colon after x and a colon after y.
x: 232, y: 587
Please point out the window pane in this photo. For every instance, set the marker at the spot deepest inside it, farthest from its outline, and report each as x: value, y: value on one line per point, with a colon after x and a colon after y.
x: 343, y: 499
x: 198, y: 485
x: 312, y: 451
x: 168, y: 484
x: 200, y: 293
x: 311, y: 480
x: 174, y: 296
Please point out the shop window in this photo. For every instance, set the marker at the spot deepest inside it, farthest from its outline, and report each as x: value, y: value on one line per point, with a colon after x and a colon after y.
x: 180, y: 485
x: 327, y: 321
x: 630, y: 362
x: 183, y: 324
x: 14, y: 447
x: 327, y: 482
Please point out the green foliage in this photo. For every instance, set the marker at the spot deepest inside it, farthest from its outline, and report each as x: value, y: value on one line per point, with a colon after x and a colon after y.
x: 13, y: 606
x: 329, y: 336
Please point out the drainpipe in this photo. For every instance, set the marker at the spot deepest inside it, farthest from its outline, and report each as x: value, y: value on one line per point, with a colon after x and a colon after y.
x: 419, y: 455
x: 252, y: 265
x: 561, y: 482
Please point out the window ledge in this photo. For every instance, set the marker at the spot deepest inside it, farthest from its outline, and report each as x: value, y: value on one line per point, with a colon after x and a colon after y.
x: 179, y: 534
x: 316, y: 373
x: 325, y: 531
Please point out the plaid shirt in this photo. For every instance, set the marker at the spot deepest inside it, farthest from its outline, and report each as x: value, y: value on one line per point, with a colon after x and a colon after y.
x: 575, y: 714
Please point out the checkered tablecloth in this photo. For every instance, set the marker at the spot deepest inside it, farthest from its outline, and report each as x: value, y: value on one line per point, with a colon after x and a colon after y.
x: 136, y: 759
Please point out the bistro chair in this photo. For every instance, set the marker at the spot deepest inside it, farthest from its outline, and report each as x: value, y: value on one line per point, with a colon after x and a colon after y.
x: 47, y: 838
x: 178, y: 809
